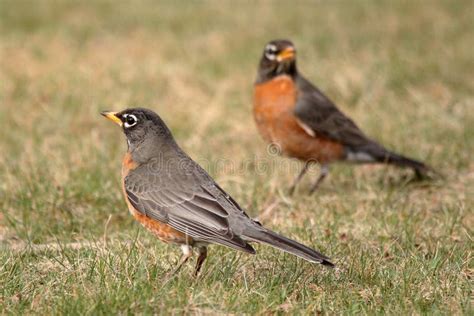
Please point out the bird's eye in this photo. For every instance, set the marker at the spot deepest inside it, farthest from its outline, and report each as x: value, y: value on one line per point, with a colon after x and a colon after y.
x: 270, y: 51
x: 271, y: 48
x: 129, y: 120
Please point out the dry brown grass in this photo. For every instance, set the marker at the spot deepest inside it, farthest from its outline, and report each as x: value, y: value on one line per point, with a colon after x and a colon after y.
x: 402, y: 70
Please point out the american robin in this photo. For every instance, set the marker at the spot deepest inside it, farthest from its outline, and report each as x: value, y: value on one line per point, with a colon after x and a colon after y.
x: 175, y: 199
x: 303, y: 123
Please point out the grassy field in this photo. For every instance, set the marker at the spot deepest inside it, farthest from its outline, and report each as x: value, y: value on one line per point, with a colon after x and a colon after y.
x: 404, y: 70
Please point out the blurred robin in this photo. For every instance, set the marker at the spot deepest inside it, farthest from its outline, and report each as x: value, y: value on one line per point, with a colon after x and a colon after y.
x: 175, y: 199
x: 303, y: 123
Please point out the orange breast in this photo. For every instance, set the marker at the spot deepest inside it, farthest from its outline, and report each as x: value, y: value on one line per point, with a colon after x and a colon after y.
x: 274, y: 103
x: 163, y: 231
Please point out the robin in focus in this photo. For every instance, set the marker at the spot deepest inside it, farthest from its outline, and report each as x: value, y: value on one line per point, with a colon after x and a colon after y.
x: 303, y: 123
x: 177, y: 201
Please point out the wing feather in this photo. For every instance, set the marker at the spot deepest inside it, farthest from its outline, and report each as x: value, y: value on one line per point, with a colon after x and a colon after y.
x: 193, y: 205
x: 321, y: 115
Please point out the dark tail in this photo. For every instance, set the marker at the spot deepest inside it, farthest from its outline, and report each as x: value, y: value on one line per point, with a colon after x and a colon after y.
x: 380, y: 154
x: 421, y: 169
x: 261, y: 234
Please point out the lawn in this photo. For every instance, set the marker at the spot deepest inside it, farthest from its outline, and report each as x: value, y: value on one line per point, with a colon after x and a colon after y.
x: 403, y: 70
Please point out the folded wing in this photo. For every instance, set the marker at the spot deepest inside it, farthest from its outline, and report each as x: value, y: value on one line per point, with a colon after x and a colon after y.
x: 188, y: 200
x: 319, y: 114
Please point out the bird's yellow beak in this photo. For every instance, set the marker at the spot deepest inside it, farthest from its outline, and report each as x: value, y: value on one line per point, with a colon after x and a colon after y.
x: 112, y: 116
x: 287, y: 53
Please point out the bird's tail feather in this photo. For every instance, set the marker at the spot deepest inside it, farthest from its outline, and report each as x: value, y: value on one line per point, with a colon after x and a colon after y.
x: 285, y: 244
x: 421, y: 169
x: 380, y: 154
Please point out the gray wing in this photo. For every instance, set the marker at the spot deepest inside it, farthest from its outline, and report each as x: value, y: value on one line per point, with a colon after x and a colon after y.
x: 187, y: 199
x: 319, y: 114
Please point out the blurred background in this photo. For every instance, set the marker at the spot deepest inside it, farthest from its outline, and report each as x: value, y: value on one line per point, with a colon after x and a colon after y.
x: 403, y: 70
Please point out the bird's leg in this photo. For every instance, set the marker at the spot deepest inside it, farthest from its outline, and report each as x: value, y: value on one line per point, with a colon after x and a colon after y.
x: 298, y: 178
x: 187, y: 253
x: 323, y: 173
x: 202, y: 251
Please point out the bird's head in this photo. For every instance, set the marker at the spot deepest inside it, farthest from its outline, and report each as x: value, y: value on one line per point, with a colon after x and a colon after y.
x: 278, y: 58
x: 145, y: 130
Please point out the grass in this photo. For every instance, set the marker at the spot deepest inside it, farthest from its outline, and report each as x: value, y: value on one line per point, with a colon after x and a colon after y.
x: 401, y: 69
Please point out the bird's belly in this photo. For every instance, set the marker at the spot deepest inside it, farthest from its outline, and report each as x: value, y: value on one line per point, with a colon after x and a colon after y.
x: 162, y: 231
x: 274, y: 103
x: 273, y: 100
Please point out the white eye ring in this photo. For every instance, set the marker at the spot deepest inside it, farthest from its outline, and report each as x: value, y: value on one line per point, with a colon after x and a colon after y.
x: 271, y: 48
x: 129, y: 120
x: 270, y: 51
